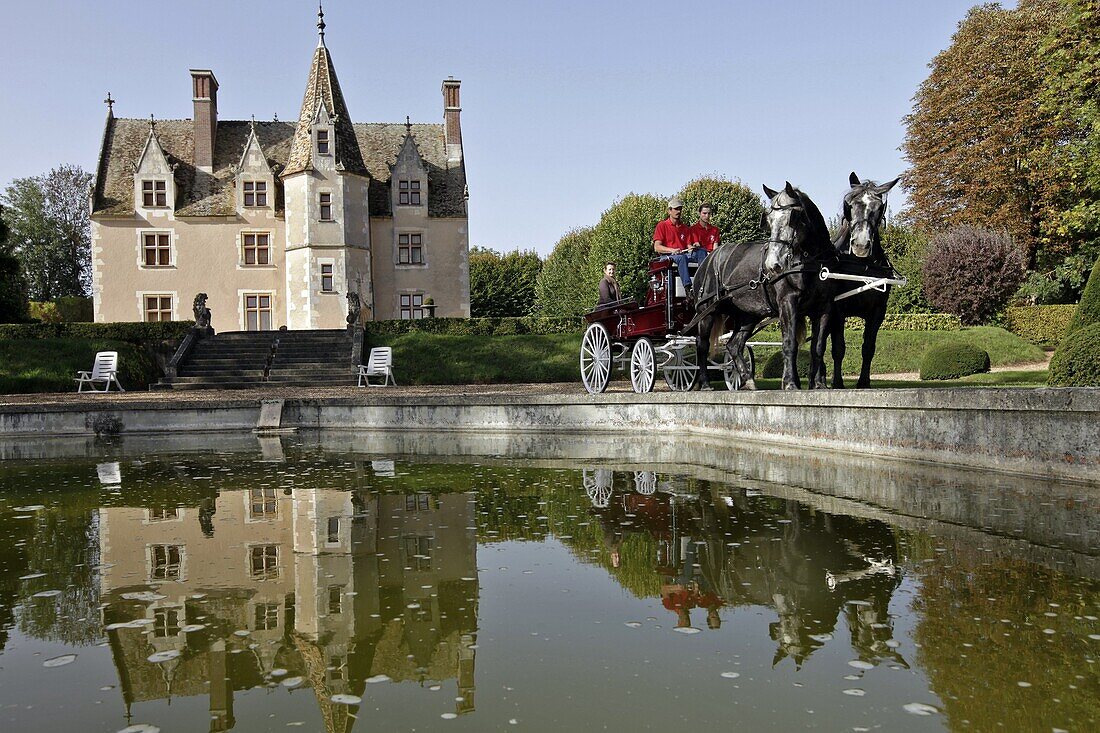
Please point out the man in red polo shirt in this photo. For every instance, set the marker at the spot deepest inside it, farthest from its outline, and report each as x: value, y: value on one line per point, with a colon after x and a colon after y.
x: 670, y: 239
x: 702, y: 233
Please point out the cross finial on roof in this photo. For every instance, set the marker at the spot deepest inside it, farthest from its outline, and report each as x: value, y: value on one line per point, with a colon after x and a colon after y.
x: 320, y: 25
x: 276, y: 116
x: 152, y: 122
x: 252, y: 124
x: 408, y: 126
x: 109, y: 102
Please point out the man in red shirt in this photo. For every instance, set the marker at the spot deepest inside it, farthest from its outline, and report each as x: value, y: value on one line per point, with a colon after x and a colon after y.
x: 702, y: 233
x: 670, y: 239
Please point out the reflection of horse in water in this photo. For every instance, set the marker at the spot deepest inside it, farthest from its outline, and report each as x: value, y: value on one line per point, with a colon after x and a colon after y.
x: 809, y: 566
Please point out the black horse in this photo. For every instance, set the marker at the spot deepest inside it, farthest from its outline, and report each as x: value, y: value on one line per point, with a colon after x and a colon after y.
x: 738, y: 286
x: 859, y: 248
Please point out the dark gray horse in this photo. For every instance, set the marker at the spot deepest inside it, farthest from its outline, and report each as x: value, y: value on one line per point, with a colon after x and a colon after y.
x: 738, y: 286
x: 859, y: 248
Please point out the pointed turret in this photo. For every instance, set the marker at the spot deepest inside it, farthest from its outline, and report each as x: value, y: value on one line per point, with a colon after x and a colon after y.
x: 323, y: 93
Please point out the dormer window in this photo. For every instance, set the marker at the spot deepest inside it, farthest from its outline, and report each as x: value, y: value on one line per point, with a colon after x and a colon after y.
x: 154, y: 194
x: 322, y: 142
x: 255, y: 193
x: 408, y: 193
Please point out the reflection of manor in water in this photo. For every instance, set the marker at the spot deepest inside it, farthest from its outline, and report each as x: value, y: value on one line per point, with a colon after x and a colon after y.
x: 330, y: 586
x: 733, y: 549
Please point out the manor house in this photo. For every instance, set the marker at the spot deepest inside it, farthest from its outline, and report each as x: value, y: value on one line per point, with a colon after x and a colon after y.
x: 278, y: 221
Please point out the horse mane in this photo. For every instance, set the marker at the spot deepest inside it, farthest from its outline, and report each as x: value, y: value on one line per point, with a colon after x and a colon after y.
x: 821, y: 242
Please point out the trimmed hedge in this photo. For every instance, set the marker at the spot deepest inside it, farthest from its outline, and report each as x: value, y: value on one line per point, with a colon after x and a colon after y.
x: 951, y: 361
x: 538, y: 325
x: 1077, y: 361
x: 1040, y: 324
x: 132, y: 332
x: 911, y: 322
x: 70, y: 309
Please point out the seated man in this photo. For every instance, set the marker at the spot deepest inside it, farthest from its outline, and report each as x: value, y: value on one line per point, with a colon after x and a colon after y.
x: 670, y: 239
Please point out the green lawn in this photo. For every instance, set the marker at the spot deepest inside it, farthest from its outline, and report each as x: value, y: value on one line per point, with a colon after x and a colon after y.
x: 901, y: 351
x: 49, y: 365
x: 428, y: 358
x: 424, y: 358
x: 993, y: 379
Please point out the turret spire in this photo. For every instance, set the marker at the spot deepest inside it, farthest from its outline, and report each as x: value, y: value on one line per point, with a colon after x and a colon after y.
x: 320, y: 25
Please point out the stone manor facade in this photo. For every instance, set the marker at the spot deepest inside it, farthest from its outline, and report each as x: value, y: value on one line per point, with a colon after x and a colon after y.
x: 278, y: 221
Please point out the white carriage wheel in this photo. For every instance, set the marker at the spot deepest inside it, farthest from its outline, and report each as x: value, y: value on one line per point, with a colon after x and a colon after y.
x: 683, y: 379
x: 643, y: 369
x: 595, y: 358
x: 732, y: 377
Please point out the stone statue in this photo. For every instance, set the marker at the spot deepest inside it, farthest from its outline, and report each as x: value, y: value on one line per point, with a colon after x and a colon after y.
x: 202, y: 313
x: 354, y: 309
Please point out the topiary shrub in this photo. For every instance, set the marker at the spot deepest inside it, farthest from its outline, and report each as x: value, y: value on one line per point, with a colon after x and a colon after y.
x: 1088, y: 310
x: 773, y: 367
x: 951, y: 361
x: 1077, y: 361
x: 972, y: 272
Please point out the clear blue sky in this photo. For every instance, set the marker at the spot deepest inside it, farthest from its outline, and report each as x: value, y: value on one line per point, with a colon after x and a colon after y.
x: 567, y: 105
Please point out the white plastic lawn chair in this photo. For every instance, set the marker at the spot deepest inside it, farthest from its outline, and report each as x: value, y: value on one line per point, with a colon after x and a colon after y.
x: 105, y: 372
x: 380, y: 364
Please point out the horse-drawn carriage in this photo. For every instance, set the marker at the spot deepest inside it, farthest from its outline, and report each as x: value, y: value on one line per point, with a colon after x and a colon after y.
x: 645, y: 338
x: 798, y: 273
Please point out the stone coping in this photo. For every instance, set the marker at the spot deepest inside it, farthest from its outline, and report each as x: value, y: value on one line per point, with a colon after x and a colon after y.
x: 1050, y: 433
x: 1028, y: 399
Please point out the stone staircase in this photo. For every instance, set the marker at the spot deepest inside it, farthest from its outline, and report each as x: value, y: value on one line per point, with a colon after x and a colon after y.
x: 247, y: 359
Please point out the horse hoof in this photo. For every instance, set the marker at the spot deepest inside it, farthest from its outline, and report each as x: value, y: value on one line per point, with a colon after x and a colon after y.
x: 749, y: 385
x: 706, y: 388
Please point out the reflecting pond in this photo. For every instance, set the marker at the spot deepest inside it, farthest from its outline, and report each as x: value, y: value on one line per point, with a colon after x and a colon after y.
x: 350, y: 582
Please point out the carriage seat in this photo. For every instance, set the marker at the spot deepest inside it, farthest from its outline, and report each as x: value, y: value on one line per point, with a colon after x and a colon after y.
x: 660, y: 264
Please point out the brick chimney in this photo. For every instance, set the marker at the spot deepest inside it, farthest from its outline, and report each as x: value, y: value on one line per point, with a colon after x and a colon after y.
x: 205, y: 97
x: 452, y: 130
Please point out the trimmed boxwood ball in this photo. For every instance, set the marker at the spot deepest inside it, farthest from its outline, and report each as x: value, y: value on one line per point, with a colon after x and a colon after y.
x: 951, y: 361
x: 1077, y: 361
x: 773, y: 367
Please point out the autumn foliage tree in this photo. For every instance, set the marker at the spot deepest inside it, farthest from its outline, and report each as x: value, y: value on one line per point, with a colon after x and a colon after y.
x: 975, y: 129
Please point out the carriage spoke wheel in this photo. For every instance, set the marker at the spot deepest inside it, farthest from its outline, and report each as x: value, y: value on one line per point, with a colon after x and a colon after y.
x: 642, y: 366
x: 733, y: 379
x: 595, y: 358
x: 684, y: 378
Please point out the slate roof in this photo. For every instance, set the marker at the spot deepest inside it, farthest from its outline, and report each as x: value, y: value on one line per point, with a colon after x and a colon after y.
x: 203, y: 194
x: 323, y: 88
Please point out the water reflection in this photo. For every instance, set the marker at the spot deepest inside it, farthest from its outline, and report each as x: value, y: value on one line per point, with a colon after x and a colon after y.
x: 715, y: 550
x: 332, y: 577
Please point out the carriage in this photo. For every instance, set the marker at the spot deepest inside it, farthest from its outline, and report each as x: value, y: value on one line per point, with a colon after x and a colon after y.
x: 647, y: 338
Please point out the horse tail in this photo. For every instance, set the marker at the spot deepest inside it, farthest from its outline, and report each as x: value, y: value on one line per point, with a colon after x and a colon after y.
x: 800, y: 331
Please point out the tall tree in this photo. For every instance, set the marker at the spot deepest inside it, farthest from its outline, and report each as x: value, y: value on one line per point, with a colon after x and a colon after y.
x: 975, y: 125
x: 13, y: 286
x: 49, y: 231
x: 624, y: 235
x: 1071, y: 155
x: 502, y: 285
x: 563, y: 288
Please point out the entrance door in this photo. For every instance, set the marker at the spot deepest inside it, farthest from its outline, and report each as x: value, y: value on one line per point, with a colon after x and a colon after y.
x: 257, y: 312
